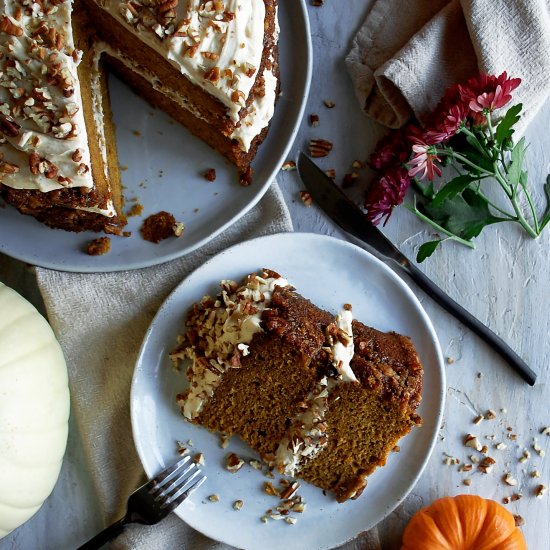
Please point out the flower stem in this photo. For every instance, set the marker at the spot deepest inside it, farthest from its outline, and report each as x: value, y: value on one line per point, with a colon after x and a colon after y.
x: 534, y: 233
x: 532, y: 208
x: 437, y: 227
x: 464, y: 160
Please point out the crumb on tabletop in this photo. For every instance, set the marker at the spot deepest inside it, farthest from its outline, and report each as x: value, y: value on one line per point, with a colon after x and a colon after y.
x: 288, y: 166
x: 99, y: 246
x: 306, y: 198
x: 349, y: 179
x: 319, y: 147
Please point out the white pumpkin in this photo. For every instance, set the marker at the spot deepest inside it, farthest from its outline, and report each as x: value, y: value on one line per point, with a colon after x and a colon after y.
x: 34, y: 410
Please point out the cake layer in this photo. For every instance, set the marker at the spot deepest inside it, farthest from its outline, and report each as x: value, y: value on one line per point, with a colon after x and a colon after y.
x: 320, y: 397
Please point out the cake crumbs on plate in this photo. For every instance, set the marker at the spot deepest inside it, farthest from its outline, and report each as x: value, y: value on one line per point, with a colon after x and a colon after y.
x: 99, y: 246
x: 210, y: 174
x: 233, y: 463
x: 160, y: 226
x: 135, y: 210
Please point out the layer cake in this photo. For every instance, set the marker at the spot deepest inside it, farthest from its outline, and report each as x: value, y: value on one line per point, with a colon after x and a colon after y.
x: 211, y: 65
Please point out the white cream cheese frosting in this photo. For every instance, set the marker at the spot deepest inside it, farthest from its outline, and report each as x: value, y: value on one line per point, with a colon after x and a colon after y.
x: 43, y: 140
x: 343, y: 348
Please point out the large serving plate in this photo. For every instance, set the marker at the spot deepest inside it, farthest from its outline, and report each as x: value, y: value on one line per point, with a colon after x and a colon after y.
x: 164, y: 171
x: 331, y: 273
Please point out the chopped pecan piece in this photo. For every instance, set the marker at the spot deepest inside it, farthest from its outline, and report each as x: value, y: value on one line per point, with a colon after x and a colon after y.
x: 9, y: 27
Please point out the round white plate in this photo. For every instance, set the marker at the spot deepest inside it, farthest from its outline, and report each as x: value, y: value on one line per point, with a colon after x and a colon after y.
x: 331, y: 273
x: 165, y: 172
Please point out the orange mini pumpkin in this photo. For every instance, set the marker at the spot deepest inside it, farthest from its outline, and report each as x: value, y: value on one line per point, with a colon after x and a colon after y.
x: 464, y: 522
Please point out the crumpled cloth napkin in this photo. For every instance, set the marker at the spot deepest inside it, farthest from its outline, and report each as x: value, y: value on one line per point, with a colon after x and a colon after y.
x: 100, y: 320
x: 407, y: 52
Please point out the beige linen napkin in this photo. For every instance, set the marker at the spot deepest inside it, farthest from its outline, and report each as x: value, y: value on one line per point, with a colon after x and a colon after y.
x: 100, y: 320
x: 408, y: 51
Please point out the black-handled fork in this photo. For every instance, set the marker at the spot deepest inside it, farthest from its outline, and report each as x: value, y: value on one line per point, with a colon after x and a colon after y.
x: 154, y: 500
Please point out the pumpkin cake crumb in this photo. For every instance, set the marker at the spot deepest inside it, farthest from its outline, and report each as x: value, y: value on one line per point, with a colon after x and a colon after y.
x: 99, y: 246
x: 160, y: 226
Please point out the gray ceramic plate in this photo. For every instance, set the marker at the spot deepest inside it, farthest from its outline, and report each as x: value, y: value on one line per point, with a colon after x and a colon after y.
x: 165, y: 166
x: 331, y: 273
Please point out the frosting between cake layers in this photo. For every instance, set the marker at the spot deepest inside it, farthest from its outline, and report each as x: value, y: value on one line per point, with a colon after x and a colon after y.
x: 217, y: 44
x: 307, y: 435
x: 260, y: 111
x: 43, y: 140
x: 227, y: 325
x: 342, y: 351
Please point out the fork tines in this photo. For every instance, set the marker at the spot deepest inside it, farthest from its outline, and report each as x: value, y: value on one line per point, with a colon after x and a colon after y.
x: 176, y: 483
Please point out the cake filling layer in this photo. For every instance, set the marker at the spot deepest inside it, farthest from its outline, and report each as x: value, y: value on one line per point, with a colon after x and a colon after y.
x: 259, y: 114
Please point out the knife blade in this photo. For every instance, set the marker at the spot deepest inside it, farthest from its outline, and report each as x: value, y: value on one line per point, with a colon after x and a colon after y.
x: 347, y: 215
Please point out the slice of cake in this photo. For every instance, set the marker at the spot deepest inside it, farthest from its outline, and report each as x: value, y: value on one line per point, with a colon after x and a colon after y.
x: 211, y: 65
x: 320, y: 397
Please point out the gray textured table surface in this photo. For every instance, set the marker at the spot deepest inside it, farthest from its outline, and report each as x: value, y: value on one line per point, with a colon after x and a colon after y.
x: 504, y: 283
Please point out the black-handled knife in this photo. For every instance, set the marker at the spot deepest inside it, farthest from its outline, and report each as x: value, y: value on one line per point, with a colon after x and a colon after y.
x: 334, y: 202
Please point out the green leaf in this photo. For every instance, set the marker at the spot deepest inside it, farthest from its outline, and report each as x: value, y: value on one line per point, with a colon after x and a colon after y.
x: 504, y: 129
x: 427, y: 192
x: 523, y: 178
x: 515, y: 168
x: 485, y: 163
x: 451, y: 189
x: 465, y: 215
x: 426, y: 250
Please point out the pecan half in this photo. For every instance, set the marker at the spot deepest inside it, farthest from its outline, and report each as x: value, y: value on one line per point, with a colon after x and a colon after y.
x: 320, y: 147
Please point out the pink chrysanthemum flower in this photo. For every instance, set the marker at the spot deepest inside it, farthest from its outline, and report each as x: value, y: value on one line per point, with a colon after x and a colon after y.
x: 386, y: 193
x: 448, y: 127
x: 423, y: 164
x: 488, y: 92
